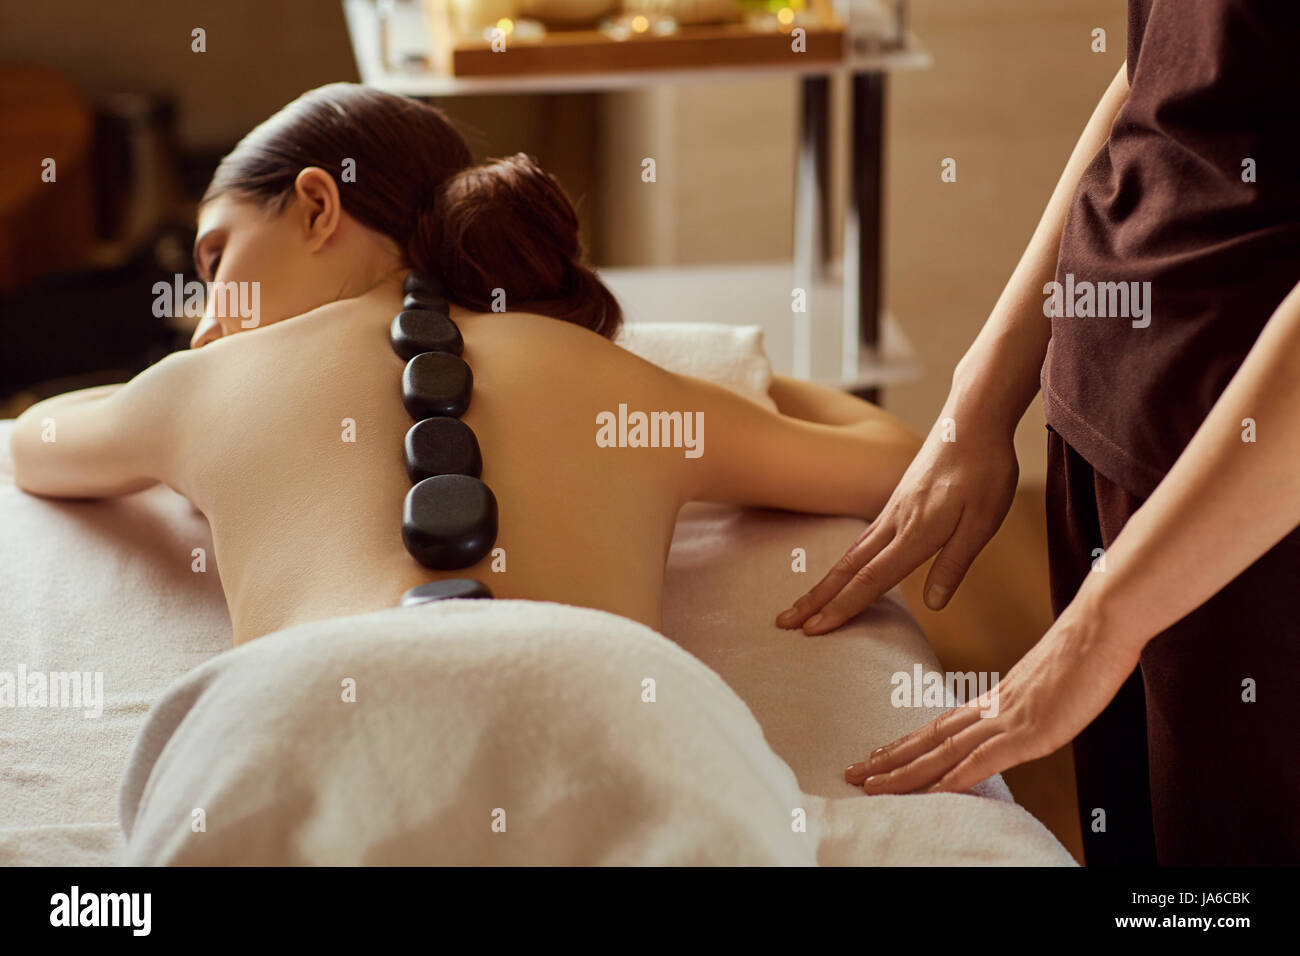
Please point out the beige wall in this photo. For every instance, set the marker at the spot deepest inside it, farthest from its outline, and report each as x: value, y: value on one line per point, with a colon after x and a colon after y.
x: 259, y: 54
x: 1011, y: 87
x: 724, y: 155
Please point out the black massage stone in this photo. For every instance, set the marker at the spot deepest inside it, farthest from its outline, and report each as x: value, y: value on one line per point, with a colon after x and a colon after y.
x: 423, y: 284
x: 418, y: 330
x: 427, y: 303
x: 441, y: 446
x: 449, y: 521
x: 443, y: 590
x: 436, y: 383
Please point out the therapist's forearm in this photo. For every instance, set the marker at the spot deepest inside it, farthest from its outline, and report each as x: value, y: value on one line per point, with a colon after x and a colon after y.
x: 1224, y: 503
x: 998, y: 376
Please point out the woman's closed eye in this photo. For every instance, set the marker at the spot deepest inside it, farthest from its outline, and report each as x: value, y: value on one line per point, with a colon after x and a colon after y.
x: 214, y: 263
x: 208, y: 249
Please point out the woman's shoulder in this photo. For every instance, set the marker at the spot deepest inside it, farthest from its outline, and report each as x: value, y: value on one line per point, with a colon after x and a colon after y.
x: 553, y: 344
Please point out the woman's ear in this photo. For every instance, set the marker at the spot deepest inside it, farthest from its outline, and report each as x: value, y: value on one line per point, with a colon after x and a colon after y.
x: 321, y: 210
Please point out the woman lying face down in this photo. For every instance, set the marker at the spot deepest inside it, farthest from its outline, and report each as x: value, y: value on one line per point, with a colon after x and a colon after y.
x: 290, y: 439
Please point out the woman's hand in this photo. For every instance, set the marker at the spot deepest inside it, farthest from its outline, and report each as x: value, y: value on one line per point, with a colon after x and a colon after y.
x: 951, y: 500
x: 1052, y: 693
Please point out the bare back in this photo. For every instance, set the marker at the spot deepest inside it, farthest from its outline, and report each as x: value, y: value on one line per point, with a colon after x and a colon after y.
x: 307, y: 525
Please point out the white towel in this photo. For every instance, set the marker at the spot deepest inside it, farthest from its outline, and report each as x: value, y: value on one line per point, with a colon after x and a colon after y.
x: 730, y: 355
x: 504, y: 732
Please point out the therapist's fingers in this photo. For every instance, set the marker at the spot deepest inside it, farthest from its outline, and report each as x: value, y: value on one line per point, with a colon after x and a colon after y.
x: 992, y: 756
x: 954, y: 560
x: 905, y: 749
x: 928, y: 768
x: 894, y: 562
x: 869, y: 544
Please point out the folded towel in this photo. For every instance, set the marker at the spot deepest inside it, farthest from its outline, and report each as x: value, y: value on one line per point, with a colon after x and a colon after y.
x: 503, y: 732
x: 730, y: 355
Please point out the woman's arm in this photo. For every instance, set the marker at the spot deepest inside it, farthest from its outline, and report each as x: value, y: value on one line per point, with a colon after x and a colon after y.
x: 841, y: 455
x: 818, y: 403
x: 103, y: 441
x: 1225, y: 502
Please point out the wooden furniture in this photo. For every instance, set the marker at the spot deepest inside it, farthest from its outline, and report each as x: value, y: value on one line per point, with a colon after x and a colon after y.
x: 44, y: 226
x: 589, y: 50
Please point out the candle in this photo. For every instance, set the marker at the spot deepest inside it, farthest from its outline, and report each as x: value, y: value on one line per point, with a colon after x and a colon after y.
x: 472, y: 17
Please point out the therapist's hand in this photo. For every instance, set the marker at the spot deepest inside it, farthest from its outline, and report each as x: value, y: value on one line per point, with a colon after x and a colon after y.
x: 1052, y: 693
x: 951, y: 500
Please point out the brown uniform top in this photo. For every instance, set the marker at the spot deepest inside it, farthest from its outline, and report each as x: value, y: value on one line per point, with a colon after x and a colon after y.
x: 1197, y: 192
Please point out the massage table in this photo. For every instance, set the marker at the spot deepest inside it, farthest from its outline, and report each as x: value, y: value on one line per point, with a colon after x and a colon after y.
x: 479, y: 732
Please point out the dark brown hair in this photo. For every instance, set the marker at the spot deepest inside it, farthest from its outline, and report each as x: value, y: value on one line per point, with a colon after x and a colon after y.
x: 505, y: 224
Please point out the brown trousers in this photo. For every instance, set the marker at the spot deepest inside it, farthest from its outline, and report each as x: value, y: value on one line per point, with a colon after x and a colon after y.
x: 1185, y: 766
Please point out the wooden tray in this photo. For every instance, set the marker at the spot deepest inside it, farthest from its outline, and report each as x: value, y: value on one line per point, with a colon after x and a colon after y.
x: 590, y: 51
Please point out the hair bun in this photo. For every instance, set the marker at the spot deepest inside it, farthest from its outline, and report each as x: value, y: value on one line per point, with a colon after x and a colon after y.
x: 507, y: 224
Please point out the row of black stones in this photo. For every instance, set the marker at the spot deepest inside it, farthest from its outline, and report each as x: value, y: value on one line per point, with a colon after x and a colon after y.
x: 449, y: 519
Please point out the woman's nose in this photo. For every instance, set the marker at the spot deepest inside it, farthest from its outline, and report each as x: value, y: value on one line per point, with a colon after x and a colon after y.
x: 208, y: 330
